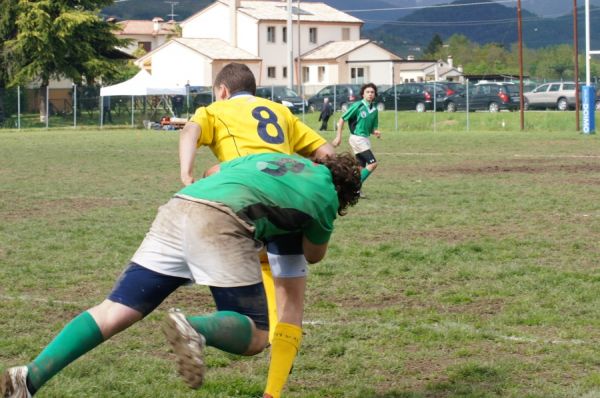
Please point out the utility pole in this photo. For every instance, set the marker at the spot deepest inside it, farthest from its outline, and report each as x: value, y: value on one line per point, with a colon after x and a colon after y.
x: 290, y: 46
x: 576, y: 56
x: 520, y: 34
x: 299, y: 61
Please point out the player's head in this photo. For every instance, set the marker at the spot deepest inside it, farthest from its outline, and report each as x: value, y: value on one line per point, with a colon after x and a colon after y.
x: 345, y: 173
x: 236, y: 77
x: 366, y: 86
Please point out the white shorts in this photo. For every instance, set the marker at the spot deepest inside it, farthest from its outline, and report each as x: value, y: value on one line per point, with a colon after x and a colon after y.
x: 359, y: 144
x: 201, y: 242
x: 288, y: 265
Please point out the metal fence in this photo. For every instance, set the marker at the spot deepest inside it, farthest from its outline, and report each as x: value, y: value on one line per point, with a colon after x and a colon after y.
x: 78, y: 106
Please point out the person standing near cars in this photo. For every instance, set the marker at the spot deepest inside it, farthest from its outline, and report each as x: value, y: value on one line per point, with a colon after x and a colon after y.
x: 363, y: 120
x: 326, y: 112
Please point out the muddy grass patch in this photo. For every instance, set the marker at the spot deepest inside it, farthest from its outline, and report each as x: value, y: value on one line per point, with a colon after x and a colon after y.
x: 67, y: 207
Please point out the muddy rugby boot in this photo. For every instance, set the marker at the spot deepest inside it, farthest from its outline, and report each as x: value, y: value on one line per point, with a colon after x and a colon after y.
x: 13, y: 383
x: 188, y: 346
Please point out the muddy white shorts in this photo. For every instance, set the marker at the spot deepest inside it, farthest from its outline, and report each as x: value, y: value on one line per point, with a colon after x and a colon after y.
x: 359, y: 143
x: 201, y: 242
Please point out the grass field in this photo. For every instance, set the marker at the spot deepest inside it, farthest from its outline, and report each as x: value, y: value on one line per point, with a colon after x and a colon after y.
x: 472, y: 269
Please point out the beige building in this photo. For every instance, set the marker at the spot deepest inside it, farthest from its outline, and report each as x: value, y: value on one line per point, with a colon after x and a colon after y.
x: 327, y: 48
x: 348, y: 62
x: 147, y: 35
x: 424, y: 71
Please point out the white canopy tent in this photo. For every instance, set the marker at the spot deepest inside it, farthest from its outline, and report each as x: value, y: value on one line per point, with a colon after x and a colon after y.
x: 142, y: 84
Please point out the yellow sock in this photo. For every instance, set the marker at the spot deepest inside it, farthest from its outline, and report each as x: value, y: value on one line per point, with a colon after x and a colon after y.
x: 270, y: 293
x: 283, y: 352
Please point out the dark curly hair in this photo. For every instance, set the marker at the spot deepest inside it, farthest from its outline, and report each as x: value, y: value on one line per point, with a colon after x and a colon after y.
x: 345, y: 172
x: 366, y: 86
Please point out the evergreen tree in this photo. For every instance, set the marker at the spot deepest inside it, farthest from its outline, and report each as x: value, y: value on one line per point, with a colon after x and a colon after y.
x: 61, y: 39
x: 8, y: 31
x: 434, y: 46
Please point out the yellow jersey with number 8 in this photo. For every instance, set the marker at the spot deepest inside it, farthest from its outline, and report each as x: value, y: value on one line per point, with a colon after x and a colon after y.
x: 244, y: 125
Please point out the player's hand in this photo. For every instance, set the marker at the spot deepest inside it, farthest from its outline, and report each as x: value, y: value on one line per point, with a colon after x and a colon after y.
x: 187, y: 180
x: 336, y: 141
x: 377, y: 133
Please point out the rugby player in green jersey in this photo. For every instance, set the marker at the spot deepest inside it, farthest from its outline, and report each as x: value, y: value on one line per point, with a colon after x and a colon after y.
x: 363, y: 120
x: 209, y: 233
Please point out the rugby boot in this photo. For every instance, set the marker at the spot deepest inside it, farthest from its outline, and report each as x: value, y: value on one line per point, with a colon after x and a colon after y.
x: 188, y: 345
x: 13, y: 383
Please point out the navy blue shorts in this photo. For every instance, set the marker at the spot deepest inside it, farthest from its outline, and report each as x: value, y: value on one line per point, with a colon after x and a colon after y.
x: 143, y: 290
x: 365, y: 158
x: 285, y: 244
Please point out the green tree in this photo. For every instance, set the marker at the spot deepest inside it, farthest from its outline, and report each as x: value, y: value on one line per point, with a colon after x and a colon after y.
x: 555, y: 62
x: 61, y: 39
x: 434, y: 45
x: 8, y: 31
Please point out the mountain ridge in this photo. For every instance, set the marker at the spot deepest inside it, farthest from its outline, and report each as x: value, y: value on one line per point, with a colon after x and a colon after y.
x: 407, y: 27
x: 482, y: 22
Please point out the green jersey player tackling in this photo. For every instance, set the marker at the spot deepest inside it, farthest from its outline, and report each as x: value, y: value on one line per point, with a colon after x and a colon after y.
x: 209, y: 234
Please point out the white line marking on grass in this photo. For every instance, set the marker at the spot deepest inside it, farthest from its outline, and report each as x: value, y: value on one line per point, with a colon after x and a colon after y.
x: 455, y: 326
x: 558, y: 156
x: 417, y: 153
x: 438, y: 327
x: 516, y: 155
x: 450, y: 326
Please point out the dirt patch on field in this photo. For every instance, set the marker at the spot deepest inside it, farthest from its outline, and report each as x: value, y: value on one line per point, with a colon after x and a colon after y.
x: 482, y: 308
x: 383, y: 300
x: 46, y: 208
x: 526, y: 166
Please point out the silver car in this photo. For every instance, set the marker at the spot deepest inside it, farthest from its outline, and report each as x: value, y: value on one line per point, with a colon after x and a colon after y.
x: 557, y: 95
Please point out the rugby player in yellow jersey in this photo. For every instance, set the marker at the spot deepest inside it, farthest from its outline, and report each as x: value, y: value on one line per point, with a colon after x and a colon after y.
x: 240, y: 124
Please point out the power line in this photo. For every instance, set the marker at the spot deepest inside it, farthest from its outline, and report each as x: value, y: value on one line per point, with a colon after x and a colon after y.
x: 467, y: 23
x: 425, y: 7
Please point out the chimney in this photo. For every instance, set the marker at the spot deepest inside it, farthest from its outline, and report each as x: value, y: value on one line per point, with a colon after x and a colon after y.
x: 234, y: 5
x: 410, y: 57
x: 156, y: 21
x: 450, y: 61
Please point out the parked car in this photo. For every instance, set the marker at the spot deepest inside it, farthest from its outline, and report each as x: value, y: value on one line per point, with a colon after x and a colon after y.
x: 556, y: 95
x: 201, y: 96
x: 455, y: 87
x: 283, y: 95
x: 441, y: 90
x: 489, y: 96
x: 407, y: 96
x: 341, y: 95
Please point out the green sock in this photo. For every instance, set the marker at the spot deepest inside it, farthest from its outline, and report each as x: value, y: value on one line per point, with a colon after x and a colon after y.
x: 364, y: 174
x: 77, y: 337
x: 226, y: 330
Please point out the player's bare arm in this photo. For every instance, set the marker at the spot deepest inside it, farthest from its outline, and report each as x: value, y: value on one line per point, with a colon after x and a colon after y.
x: 188, y: 139
x: 326, y: 149
x: 338, y: 138
x: 312, y: 252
